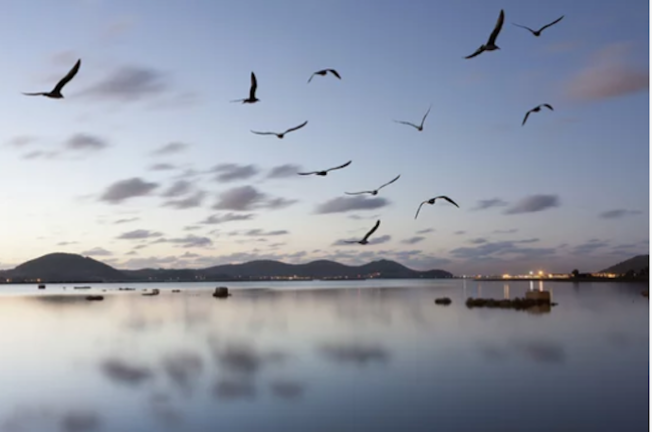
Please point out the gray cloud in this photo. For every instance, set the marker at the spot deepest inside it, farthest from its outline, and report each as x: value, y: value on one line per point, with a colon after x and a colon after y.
x: 98, y: 251
x: 507, y: 231
x: 231, y: 172
x: 489, y: 203
x: 587, y: 248
x: 191, y: 241
x: 127, y: 220
x: 246, y: 198
x: 346, y: 204
x: 426, y: 231
x: 227, y: 217
x: 171, y: 148
x: 374, y: 241
x: 608, y: 75
x: 162, y: 167
x: 500, y: 249
x: 287, y: 389
x: 128, y: 84
x: 40, y: 154
x: 284, y: 171
x: 192, y: 201
x: 139, y: 235
x: 478, y: 241
x: 461, y: 232
x: 21, y: 140
x: 66, y: 243
x: 618, y: 213
x: 81, y: 421
x: 262, y: 233
x: 126, y: 189
x: 533, y: 204
x: 180, y: 187
x: 83, y: 141
x: 414, y: 240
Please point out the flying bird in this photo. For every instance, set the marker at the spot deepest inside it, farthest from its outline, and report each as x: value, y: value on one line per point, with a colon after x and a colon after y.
x: 432, y: 201
x: 323, y: 72
x: 282, y: 134
x: 374, y: 192
x: 323, y: 173
x: 252, y: 91
x: 491, y: 43
x: 366, y: 237
x: 534, y: 110
x: 56, y: 92
x: 420, y: 127
x: 537, y: 33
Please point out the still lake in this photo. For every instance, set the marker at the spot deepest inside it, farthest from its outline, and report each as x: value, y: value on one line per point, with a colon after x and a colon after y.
x: 324, y: 356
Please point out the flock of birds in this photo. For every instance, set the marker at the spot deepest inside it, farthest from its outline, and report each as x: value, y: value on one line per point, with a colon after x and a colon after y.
x: 55, y: 93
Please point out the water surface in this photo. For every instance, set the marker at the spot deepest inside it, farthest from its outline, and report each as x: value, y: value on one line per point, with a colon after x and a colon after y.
x: 323, y: 356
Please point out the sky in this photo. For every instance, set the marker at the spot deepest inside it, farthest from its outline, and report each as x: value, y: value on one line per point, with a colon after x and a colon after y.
x: 147, y: 163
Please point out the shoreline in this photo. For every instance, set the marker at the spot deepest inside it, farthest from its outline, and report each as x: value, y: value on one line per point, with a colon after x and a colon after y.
x: 572, y: 280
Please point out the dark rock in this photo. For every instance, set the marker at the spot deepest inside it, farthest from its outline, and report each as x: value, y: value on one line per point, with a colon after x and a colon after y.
x: 443, y: 301
x: 221, y: 292
x: 517, y: 303
x: 94, y: 297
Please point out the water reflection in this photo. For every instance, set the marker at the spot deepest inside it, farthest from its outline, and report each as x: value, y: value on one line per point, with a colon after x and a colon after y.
x: 324, y: 360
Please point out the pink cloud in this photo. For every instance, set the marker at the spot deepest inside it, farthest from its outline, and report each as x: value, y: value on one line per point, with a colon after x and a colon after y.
x: 607, y: 75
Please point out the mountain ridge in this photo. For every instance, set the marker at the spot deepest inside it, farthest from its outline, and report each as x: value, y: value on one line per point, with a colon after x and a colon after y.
x: 65, y: 267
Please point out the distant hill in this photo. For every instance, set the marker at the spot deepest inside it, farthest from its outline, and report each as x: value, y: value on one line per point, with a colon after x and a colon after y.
x: 635, y: 264
x: 63, y: 267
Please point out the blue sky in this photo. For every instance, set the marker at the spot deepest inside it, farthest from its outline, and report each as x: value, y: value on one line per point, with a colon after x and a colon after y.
x: 569, y: 189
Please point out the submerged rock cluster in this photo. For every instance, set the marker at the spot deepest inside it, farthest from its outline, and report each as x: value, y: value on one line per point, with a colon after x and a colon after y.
x: 516, y: 303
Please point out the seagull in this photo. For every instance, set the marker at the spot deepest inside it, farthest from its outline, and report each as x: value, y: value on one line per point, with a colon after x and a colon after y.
x: 323, y: 173
x: 56, y: 92
x: 420, y: 127
x: 491, y: 43
x: 536, y: 109
x: 374, y: 192
x: 323, y: 72
x: 282, y: 134
x: 432, y: 201
x: 252, y: 91
x: 364, y: 239
x: 537, y: 33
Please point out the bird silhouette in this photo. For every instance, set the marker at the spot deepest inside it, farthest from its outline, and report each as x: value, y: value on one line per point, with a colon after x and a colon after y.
x: 491, y: 43
x: 375, y: 191
x: 364, y: 240
x: 420, y: 127
x: 56, y: 92
x: 325, y: 172
x: 537, y: 33
x: 534, y: 110
x: 252, y: 91
x: 282, y: 134
x: 323, y: 72
x: 432, y: 201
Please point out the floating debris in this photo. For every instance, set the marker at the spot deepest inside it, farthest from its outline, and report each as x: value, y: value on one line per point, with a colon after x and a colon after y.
x: 443, y: 301
x: 154, y: 292
x: 221, y: 292
x: 94, y: 298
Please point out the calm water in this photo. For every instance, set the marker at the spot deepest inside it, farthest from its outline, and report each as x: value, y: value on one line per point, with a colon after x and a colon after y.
x: 324, y: 356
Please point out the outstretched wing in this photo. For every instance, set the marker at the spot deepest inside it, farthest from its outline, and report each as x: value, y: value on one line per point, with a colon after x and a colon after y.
x: 311, y: 77
x: 548, y: 106
x: 390, y: 182
x: 334, y: 72
x: 71, y: 74
x: 357, y: 193
x: 254, y: 86
x: 407, y: 123
x: 551, y: 24
x: 449, y: 200
x: 476, y: 53
x: 308, y: 173
x: 499, y: 26
x: 522, y: 26
x: 35, y: 94
x: 372, y: 230
x: 426, y: 115
x: 527, y: 114
x: 296, y: 127
x: 263, y: 133
x: 340, y: 167
x: 419, y: 209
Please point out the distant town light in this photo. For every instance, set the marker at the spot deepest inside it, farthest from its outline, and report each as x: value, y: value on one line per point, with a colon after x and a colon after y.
x: 531, y: 273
